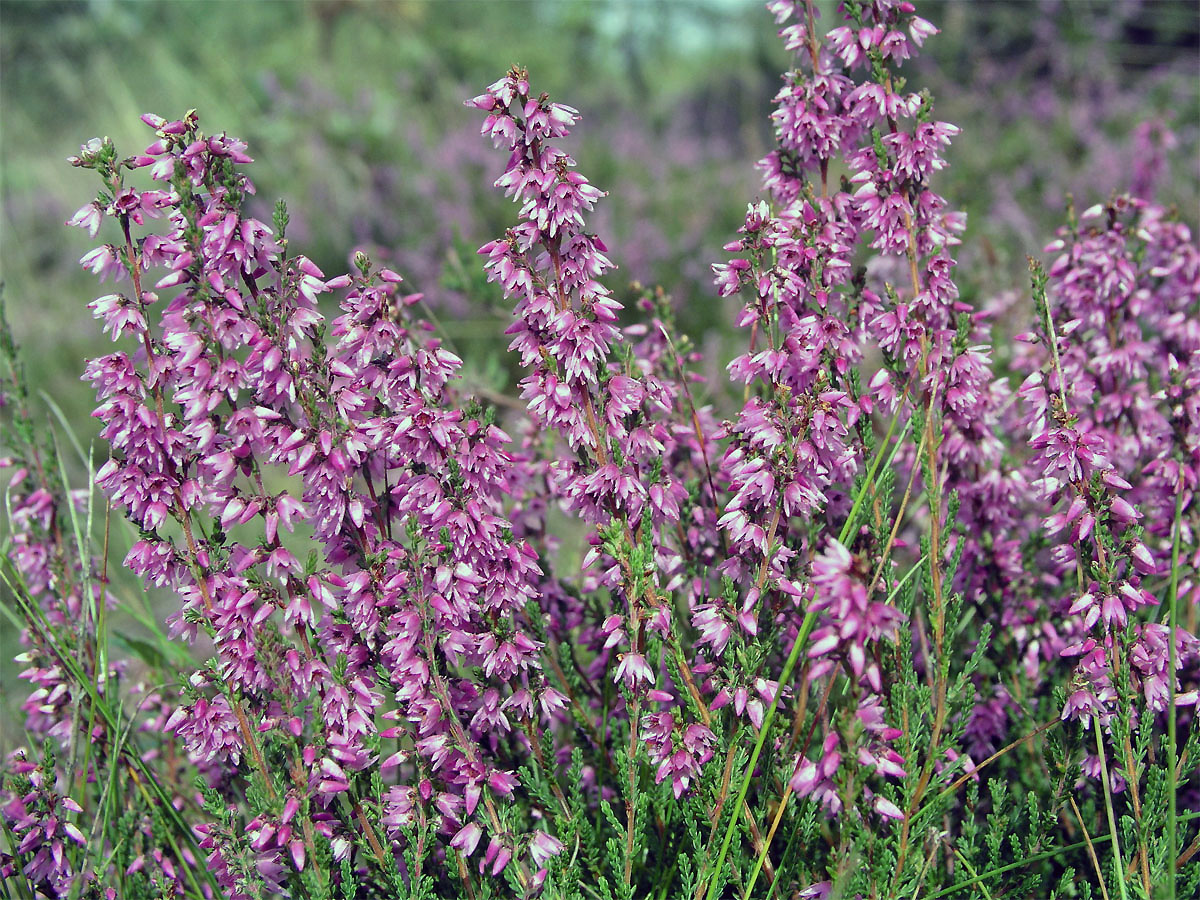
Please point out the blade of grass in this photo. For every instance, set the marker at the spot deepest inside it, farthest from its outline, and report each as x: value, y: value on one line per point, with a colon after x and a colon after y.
x: 67, y: 429
x: 971, y: 869
x: 16, y: 621
x: 1112, y: 819
x: 1172, y: 738
x: 82, y: 534
x: 32, y: 614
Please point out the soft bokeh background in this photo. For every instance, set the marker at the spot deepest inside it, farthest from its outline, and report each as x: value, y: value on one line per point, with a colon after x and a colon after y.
x: 354, y: 112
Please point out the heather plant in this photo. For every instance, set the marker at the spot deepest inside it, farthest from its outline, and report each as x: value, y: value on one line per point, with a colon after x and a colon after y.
x: 361, y: 99
x: 877, y: 618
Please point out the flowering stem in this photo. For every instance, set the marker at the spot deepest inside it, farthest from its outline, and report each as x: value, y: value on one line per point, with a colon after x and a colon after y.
x: 1135, y: 796
x: 798, y: 714
x: 818, y: 716
x: 14, y: 373
x: 806, y: 627
x: 939, y: 630
x: 464, y: 743
x: 1172, y: 746
x: 700, y: 442
x: 1039, y: 296
x: 464, y: 874
x: 135, y: 264
x: 723, y: 793
x: 306, y: 828
x: 1190, y: 851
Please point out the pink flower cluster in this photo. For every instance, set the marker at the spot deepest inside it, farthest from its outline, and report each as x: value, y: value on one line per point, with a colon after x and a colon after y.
x: 231, y: 423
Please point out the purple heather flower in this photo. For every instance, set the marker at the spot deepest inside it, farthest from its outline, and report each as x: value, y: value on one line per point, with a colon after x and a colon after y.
x: 815, y: 778
x: 849, y: 618
x: 40, y: 819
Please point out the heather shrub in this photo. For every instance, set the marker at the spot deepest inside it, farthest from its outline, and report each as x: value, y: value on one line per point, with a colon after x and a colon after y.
x: 360, y: 105
x: 875, y: 616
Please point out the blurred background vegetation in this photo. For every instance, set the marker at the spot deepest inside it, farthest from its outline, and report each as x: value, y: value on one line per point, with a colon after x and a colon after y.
x: 354, y: 111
